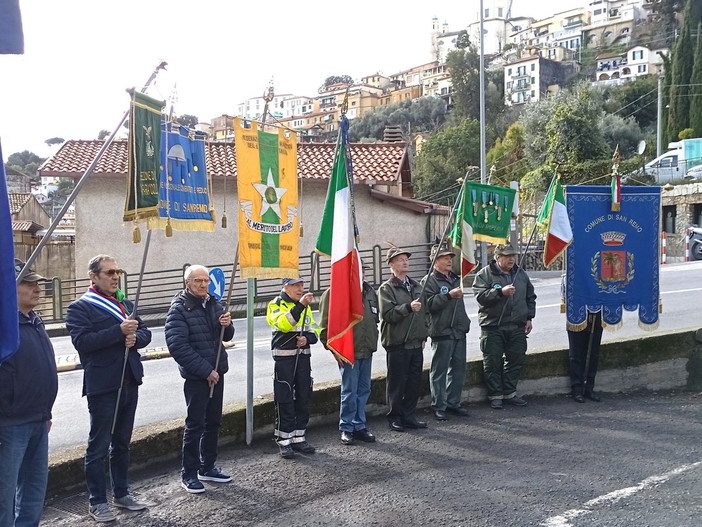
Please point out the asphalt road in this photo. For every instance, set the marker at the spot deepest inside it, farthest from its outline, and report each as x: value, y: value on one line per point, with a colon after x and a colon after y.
x: 632, y: 460
x: 679, y: 292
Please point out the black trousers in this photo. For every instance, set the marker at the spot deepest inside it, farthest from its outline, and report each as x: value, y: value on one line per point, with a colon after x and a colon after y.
x: 403, y: 382
x: 292, y: 391
x: 201, y: 426
x: 578, y: 342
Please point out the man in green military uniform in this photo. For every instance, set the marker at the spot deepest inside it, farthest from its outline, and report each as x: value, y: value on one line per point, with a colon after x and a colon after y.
x: 448, y: 325
x: 403, y: 333
x: 507, y: 306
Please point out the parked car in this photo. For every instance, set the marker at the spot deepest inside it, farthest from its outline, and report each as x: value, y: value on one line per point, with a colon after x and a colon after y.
x: 694, y: 174
x: 696, y: 243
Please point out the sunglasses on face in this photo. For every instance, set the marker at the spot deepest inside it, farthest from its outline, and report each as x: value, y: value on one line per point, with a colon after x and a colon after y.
x: 113, y: 272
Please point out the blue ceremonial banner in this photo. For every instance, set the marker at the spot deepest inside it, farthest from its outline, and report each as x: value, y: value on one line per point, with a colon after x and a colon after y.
x: 9, y: 318
x: 11, y: 34
x: 613, y: 260
x: 184, y: 199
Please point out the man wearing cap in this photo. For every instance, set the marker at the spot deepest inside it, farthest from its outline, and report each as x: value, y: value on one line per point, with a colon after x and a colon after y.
x: 356, y: 377
x: 193, y: 328
x: 507, y: 305
x: 102, y: 325
x: 403, y: 333
x: 28, y: 387
x: 448, y: 325
x: 290, y: 316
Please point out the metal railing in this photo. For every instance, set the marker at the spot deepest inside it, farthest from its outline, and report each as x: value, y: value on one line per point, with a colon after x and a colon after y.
x: 159, y: 287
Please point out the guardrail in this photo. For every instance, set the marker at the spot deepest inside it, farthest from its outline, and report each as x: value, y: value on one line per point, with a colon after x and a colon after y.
x: 159, y: 287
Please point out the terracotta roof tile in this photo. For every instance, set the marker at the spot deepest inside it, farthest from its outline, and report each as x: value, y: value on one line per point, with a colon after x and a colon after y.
x: 26, y: 226
x: 372, y: 162
x: 17, y: 201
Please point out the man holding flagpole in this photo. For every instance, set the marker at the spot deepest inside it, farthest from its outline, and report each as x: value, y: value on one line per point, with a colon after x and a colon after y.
x: 448, y: 326
x: 101, y: 324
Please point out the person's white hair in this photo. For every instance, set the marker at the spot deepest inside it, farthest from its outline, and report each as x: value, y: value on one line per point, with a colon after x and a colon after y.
x: 189, y: 271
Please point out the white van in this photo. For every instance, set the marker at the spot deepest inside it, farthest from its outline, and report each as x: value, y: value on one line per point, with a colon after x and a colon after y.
x: 675, y: 164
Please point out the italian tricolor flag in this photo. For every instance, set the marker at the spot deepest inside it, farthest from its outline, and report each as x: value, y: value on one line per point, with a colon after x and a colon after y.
x: 461, y: 234
x: 336, y: 239
x: 554, y: 216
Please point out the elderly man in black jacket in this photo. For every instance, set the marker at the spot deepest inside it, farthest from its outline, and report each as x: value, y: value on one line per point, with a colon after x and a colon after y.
x: 102, y: 326
x: 193, y: 329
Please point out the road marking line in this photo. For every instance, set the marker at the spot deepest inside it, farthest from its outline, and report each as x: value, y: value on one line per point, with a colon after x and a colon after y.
x: 564, y: 519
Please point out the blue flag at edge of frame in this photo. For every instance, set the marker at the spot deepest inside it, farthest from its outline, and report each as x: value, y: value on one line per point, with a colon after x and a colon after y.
x: 9, y: 318
x: 613, y: 260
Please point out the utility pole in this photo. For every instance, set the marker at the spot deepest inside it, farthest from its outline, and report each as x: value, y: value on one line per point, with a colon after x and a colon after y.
x: 659, y: 116
x: 483, y: 178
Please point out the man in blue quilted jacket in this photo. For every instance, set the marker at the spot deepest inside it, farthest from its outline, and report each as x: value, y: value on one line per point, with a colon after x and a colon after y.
x: 193, y: 328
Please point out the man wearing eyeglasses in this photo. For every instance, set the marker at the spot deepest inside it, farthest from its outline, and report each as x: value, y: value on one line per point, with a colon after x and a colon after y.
x: 105, y: 331
x: 194, y: 335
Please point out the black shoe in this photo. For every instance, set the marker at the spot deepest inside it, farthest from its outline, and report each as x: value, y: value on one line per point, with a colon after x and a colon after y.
x: 496, y: 404
x: 516, y: 401
x: 460, y: 411
x: 592, y: 397
x: 396, y: 425
x: 364, y: 435
x: 440, y: 415
x: 303, y: 447
x: 578, y: 398
x: 346, y: 437
x: 414, y: 423
x: 286, y: 452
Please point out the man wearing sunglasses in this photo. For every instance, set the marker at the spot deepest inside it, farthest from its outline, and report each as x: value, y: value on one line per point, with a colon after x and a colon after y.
x: 105, y: 331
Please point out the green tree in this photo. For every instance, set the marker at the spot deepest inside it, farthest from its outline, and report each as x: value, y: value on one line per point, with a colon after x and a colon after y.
x: 335, y: 79
x: 55, y: 141
x: 464, y: 66
x: 426, y: 114
x: 572, y: 137
x: 636, y: 99
x: 679, y: 102
x: 696, y: 81
x: 666, y: 11
x: 26, y: 162
x: 102, y: 134
x: 507, y: 156
x: 445, y: 157
x: 187, y: 120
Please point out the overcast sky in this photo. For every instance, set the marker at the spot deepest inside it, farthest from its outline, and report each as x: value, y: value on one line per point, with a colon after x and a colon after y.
x: 81, y: 55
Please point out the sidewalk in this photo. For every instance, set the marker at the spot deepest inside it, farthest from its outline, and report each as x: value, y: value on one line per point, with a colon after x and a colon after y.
x: 515, y: 467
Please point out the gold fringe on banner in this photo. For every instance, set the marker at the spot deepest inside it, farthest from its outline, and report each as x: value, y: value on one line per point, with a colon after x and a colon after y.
x: 612, y: 327
x: 649, y: 327
x: 576, y: 327
x: 136, y: 233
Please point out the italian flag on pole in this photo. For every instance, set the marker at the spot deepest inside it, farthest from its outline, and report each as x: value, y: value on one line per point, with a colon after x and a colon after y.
x: 461, y: 234
x: 554, y: 216
x: 336, y: 239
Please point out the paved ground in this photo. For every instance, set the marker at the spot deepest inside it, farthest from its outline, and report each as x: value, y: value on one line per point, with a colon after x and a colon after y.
x: 634, y: 459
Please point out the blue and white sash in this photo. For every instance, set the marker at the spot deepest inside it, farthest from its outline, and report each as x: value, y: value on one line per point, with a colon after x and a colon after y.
x: 103, y: 303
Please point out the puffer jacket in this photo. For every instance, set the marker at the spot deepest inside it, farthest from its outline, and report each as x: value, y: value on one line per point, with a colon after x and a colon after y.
x: 192, y: 335
x: 399, y: 327
x: 497, y: 310
x: 28, y: 380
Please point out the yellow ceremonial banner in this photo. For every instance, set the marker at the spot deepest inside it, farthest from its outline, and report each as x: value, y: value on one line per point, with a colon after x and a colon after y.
x: 266, y: 165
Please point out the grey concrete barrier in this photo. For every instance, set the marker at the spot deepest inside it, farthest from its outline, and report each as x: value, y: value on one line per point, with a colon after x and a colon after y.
x: 661, y: 361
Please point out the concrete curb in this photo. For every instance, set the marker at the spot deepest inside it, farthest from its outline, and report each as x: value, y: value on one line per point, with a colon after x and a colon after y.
x: 72, y: 362
x: 664, y: 361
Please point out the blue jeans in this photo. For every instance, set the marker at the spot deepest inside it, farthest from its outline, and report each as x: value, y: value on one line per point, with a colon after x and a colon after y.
x: 101, y: 443
x: 24, y: 458
x: 355, y: 391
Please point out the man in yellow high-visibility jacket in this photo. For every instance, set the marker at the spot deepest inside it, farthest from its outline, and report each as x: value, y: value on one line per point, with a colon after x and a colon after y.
x: 291, y: 318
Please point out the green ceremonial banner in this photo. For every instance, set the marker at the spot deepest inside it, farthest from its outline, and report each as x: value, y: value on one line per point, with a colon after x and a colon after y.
x: 144, y: 157
x: 488, y: 210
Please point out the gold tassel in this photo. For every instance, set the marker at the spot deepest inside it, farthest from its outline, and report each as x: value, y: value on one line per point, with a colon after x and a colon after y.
x: 563, y: 307
x: 660, y: 306
x: 224, y: 220
x: 136, y: 234
x: 213, y: 215
x: 616, y: 207
x: 302, y: 230
x: 169, y: 228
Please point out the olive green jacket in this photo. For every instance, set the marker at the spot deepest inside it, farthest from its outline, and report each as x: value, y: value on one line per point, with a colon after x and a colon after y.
x: 400, y: 327
x: 365, y: 333
x: 447, y: 316
x: 497, y: 310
